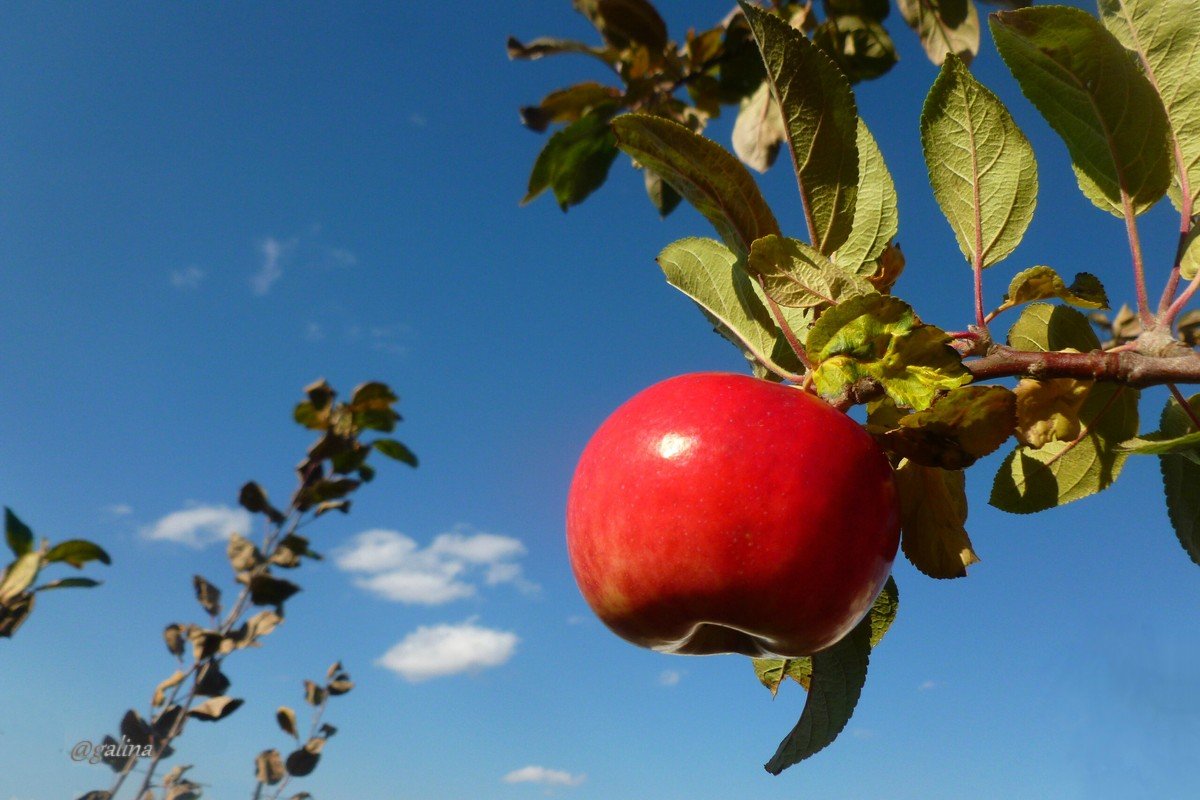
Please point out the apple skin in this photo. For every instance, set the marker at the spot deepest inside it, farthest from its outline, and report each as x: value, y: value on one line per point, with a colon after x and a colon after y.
x: 719, y: 513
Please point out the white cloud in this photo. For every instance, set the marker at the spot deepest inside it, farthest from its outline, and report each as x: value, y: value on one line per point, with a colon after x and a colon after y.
x: 927, y: 685
x: 274, y: 252
x: 396, y: 568
x: 543, y: 776
x: 187, y: 278
x: 669, y: 677
x: 440, y: 650
x: 199, y: 525
x: 119, y: 509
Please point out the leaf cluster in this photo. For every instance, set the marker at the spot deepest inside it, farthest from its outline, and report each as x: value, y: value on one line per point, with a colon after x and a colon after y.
x: 692, y: 80
x: 334, y: 467
x: 18, y: 591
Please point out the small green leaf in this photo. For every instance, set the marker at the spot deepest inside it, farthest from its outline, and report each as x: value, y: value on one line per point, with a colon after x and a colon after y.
x: 859, y: 45
x: 1043, y: 283
x: 708, y: 176
x: 19, y: 575
x: 1046, y: 328
x: 796, y: 275
x: 959, y: 428
x: 1181, y: 476
x: 1189, y: 259
x: 821, y: 121
x: 1187, y: 445
x: 77, y: 552
x: 876, y: 219
x: 771, y: 672
x: 18, y: 534
x: 664, y: 198
x: 879, y: 337
x: 1166, y: 37
x: 883, y: 611
x: 981, y: 166
x: 1035, y: 479
x: 708, y: 272
x: 575, y: 162
x: 945, y: 26
x: 933, y: 513
x: 1095, y: 97
x: 395, y: 450
x: 838, y: 675
x: 567, y: 105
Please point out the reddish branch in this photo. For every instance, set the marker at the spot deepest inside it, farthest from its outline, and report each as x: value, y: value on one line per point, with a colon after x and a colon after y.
x: 1130, y: 368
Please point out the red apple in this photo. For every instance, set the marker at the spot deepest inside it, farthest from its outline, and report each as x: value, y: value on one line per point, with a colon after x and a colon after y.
x: 719, y: 513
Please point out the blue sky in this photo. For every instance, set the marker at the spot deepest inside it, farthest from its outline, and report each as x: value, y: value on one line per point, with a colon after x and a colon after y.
x: 204, y: 207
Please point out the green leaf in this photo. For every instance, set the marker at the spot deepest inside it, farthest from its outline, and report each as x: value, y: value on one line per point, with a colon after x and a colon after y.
x: 796, y: 275
x: 758, y: 131
x: 838, y: 675
x: 624, y: 22
x: 860, y: 46
x: 1181, y: 476
x: 933, y: 513
x: 575, y: 162
x: 879, y: 337
x: 876, y: 219
x: 395, y: 450
x: 708, y: 272
x: 1155, y: 444
x: 1189, y: 259
x: 69, y: 583
x: 19, y: 575
x: 1166, y: 37
x: 549, y: 46
x: 821, y: 122
x: 77, y: 552
x: 708, y: 176
x: 567, y: 105
x: 958, y: 429
x: 1043, y: 283
x: 883, y: 611
x: 981, y: 166
x: 945, y: 26
x: 1045, y: 328
x: 772, y: 672
x: 664, y: 198
x: 1082, y: 80
x: 18, y: 534
x: 1061, y: 471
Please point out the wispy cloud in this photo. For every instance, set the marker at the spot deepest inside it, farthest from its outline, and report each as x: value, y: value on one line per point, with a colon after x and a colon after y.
x: 669, y: 677
x: 187, y: 278
x: 274, y: 252
x: 927, y: 685
x: 199, y: 525
x: 449, y: 568
x: 313, y: 332
x: 340, y: 257
x: 440, y: 650
x: 543, y: 776
x: 119, y: 509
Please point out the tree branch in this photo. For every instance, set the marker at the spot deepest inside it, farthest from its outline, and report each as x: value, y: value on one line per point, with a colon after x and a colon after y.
x: 1129, y: 368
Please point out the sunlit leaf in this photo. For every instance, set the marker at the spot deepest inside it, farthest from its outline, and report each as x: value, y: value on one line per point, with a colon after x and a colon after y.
x: 860, y: 46
x: 1043, y: 283
x: 1106, y: 111
x: 215, y: 708
x: 981, y: 166
x: 821, y: 121
x: 794, y: 274
x: 771, y: 672
x: 19, y: 575
x: 758, y: 131
x: 1166, y: 37
x: 875, y: 210
x: 708, y: 176
x: 964, y: 425
x: 879, y: 337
